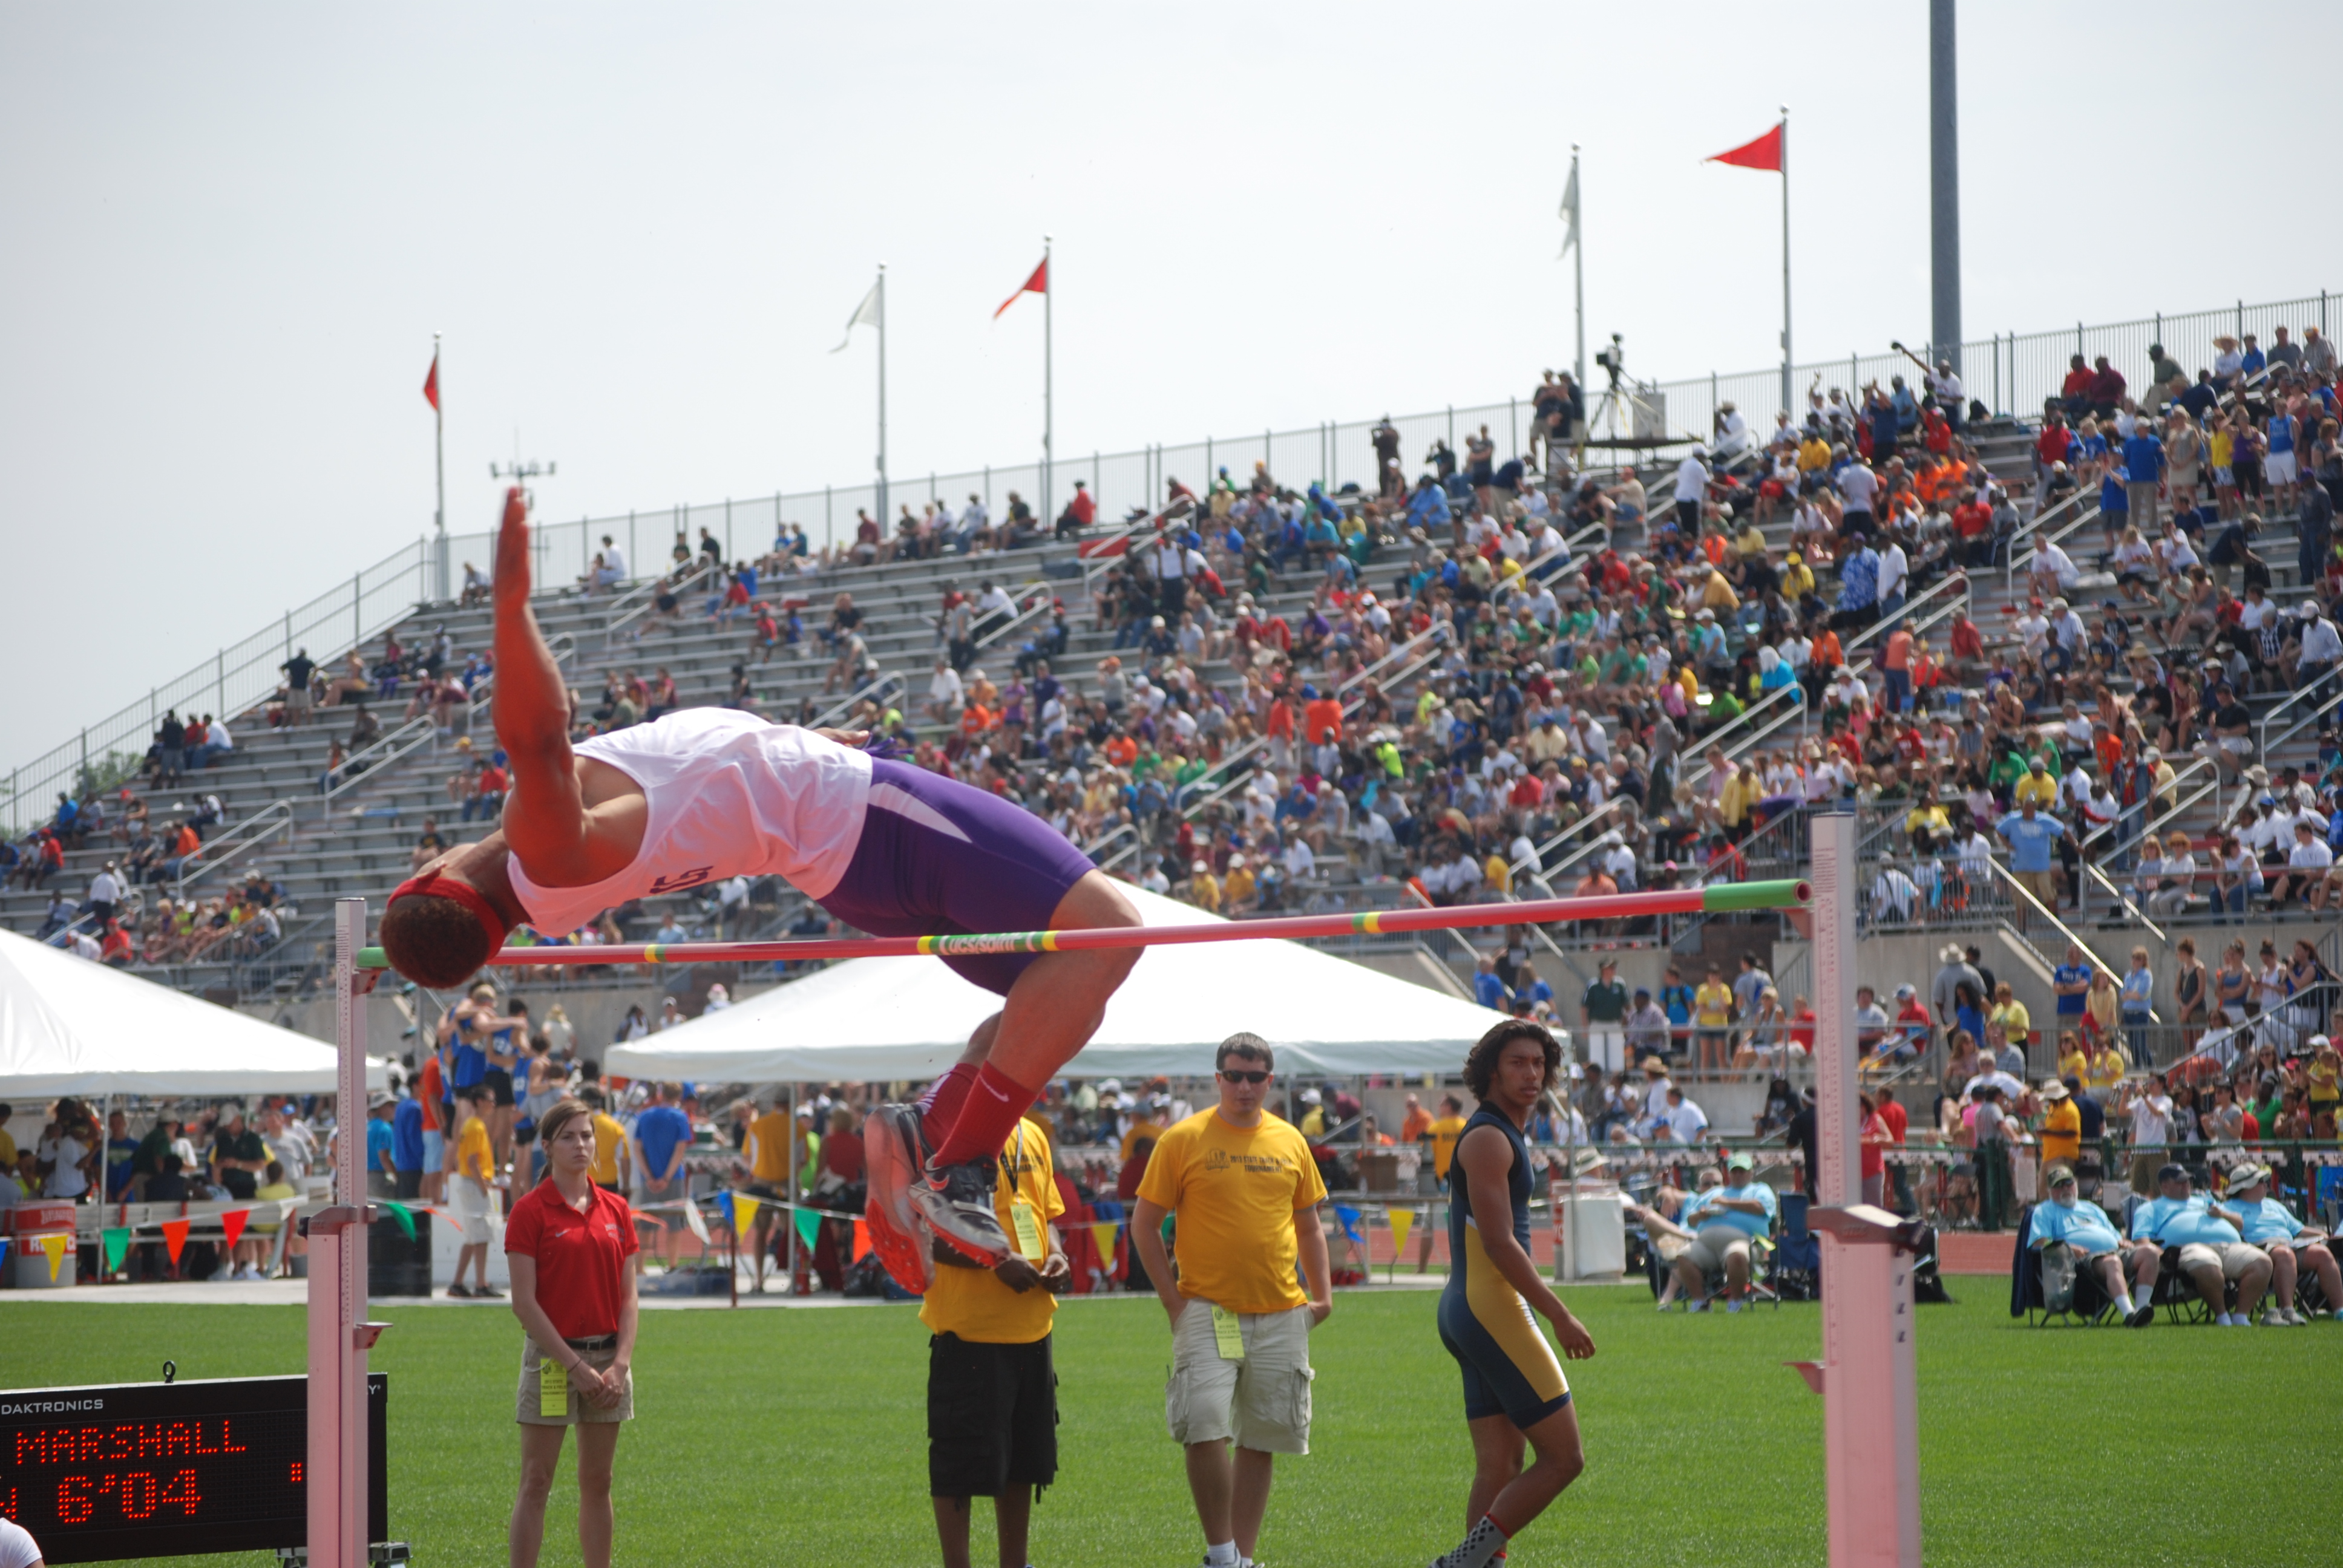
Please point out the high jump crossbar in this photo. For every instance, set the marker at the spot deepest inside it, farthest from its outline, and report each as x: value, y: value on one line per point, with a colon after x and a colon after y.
x: 1723, y: 897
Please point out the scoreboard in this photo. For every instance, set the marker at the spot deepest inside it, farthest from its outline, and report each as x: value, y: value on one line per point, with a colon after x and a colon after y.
x: 158, y: 1470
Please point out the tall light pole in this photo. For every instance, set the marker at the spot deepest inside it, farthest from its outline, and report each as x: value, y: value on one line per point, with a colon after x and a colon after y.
x: 444, y: 587
x: 879, y: 321
x: 1048, y: 404
x: 1944, y: 184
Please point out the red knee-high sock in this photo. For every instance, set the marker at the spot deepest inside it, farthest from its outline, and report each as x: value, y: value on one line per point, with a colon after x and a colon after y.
x: 940, y: 1106
x: 990, y: 1109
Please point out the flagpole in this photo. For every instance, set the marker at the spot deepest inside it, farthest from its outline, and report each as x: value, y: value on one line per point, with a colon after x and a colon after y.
x: 886, y: 527
x: 1578, y: 266
x: 1048, y: 404
x: 439, y: 462
x: 1786, y: 259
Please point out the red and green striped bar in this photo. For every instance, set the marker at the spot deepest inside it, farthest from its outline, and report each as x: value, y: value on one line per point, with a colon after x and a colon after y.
x: 1720, y: 899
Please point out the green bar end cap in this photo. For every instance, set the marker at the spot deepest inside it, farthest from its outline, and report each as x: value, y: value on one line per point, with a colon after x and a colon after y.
x: 1725, y: 897
x: 372, y: 959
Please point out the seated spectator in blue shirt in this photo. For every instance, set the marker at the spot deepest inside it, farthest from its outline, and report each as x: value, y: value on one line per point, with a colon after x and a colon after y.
x: 2084, y: 1230
x: 1721, y: 1221
x: 2266, y: 1223
x: 2211, y: 1249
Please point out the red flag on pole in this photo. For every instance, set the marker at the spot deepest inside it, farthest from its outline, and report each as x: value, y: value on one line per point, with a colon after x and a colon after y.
x: 1764, y: 153
x: 174, y: 1237
x: 232, y: 1225
x: 431, y: 382
x: 1037, y: 283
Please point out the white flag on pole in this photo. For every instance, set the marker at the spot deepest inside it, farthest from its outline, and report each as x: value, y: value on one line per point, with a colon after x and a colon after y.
x: 865, y: 314
x: 1569, y: 213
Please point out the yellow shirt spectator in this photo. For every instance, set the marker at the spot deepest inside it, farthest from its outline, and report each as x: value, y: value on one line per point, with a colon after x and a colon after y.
x: 1797, y: 579
x: 1238, y: 887
x: 2016, y: 1024
x: 1204, y: 891
x: 1741, y: 792
x: 769, y: 1149
x: 1931, y: 817
x: 1236, y: 1191
x: 2105, y: 1068
x: 2038, y: 788
x: 2062, y: 1131
x: 1444, y: 1134
x: 609, y: 1139
x: 1498, y: 872
x: 1711, y: 1004
x: 474, y: 1157
x: 972, y: 1303
x: 1814, y: 455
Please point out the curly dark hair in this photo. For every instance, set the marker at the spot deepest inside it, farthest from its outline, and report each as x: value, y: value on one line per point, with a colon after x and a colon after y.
x: 1481, y: 1061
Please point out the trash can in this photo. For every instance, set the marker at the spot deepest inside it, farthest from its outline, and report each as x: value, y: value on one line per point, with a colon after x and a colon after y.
x: 397, y: 1266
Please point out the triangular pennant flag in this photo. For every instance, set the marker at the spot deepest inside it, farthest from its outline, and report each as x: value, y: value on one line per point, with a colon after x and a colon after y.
x: 54, y: 1246
x: 870, y: 313
x: 695, y: 1220
x: 744, y: 1213
x: 232, y: 1225
x: 1103, y: 1233
x: 1350, y: 1219
x: 1764, y: 153
x: 862, y: 1239
x: 403, y: 1216
x: 1037, y: 283
x: 175, y: 1236
x: 1401, y: 1219
x: 809, y: 1224
x: 117, y: 1240
x: 1570, y: 211
x: 431, y: 382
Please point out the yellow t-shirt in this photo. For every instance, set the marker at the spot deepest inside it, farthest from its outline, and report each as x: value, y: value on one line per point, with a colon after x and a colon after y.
x: 768, y: 1147
x: 2038, y: 788
x: 1237, y: 886
x: 474, y: 1157
x: 2107, y: 1068
x: 1236, y: 1190
x: 2016, y: 1023
x: 7, y: 1152
x: 973, y: 1304
x: 1712, y: 1005
x: 2062, y: 1132
x: 1142, y: 1128
x: 1444, y: 1133
x: 609, y: 1139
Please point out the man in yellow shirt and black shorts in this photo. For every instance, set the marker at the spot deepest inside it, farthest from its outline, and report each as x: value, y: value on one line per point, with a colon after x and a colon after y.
x: 1431, y: 1180
x: 767, y: 1149
x: 992, y: 1401
x: 1243, y: 1193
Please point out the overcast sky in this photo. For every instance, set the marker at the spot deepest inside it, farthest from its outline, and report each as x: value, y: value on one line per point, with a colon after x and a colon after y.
x: 233, y: 229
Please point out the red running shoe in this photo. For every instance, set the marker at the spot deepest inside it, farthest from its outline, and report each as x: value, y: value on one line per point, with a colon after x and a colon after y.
x: 895, y: 1157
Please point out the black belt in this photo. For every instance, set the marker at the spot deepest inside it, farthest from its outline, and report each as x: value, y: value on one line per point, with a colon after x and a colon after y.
x: 600, y: 1342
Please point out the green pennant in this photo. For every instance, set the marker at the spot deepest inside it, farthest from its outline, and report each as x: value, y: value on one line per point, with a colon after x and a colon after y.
x: 118, y: 1244
x: 808, y: 1225
x: 405, y: 1218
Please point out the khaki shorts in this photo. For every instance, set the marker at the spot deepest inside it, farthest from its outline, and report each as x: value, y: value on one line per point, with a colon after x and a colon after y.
x: 1714, y: 1243
x: 470, y: 1202
x: 2232, y: 1258
x: 596, y: 1353
x: 2043, y: 885
x: 1263, y: 1402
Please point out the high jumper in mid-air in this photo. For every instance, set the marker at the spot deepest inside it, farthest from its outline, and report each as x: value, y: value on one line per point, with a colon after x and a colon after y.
x: 705, y: 794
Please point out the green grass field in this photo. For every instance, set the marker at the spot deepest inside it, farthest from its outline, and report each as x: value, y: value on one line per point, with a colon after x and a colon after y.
x: 798, y: 1437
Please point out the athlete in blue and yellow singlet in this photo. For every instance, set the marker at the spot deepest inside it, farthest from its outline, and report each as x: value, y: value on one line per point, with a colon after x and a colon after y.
x: 1514, y: 1393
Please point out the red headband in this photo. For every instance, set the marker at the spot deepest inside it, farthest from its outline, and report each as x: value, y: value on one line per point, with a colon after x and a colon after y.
x: 431, y: 884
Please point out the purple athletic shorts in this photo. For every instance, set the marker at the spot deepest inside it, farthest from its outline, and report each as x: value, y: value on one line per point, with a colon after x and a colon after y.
x: 939, y: 858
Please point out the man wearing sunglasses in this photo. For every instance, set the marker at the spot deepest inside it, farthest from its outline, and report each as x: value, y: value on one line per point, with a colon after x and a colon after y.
x: 1242, y: 1193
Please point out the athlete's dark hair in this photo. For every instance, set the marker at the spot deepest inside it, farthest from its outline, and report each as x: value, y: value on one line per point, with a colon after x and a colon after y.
x: 1481, y: 1061
x: 433, y: 942
x: 1251, y: 1046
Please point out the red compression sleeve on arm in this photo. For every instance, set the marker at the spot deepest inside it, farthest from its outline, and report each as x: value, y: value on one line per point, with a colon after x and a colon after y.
x: 991, y: 1113
x: 940, y: 1106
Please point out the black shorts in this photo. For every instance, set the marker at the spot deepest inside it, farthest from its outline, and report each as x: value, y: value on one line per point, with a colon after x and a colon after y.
x: 498, y: 1083
x: 992, y: 1417
x: 407, y: 1183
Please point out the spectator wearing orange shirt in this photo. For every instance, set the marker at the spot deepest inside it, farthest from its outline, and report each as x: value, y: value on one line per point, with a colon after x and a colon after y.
x: 1322, y: 728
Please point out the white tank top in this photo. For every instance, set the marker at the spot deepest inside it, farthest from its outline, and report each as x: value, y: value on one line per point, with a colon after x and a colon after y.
x: 728, y: 794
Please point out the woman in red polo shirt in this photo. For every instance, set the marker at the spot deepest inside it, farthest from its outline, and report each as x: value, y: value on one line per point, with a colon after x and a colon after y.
x: 571, y: 1247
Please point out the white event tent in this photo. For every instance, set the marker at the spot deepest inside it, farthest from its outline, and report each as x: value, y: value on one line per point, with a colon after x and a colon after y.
x: 904, y: 1018
x: 68, y: 1026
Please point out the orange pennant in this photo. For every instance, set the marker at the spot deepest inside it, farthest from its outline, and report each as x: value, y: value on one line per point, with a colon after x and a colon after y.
x: 862, y: 1239
x: 232, y: 1225
x: 175, y: 1236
